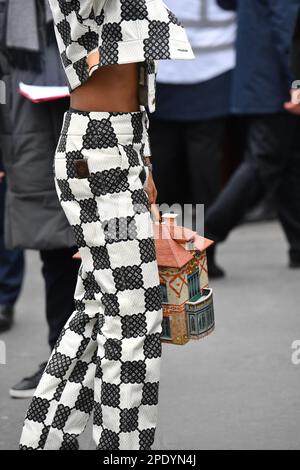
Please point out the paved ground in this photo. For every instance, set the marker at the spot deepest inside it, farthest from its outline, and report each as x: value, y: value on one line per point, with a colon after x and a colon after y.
x: 234, y: 390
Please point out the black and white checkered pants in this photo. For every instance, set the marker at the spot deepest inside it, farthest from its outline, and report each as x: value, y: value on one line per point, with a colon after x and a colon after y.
x: 107, y: 359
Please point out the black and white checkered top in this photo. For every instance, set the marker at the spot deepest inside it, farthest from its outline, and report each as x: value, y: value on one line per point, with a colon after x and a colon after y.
x: 123, y: 31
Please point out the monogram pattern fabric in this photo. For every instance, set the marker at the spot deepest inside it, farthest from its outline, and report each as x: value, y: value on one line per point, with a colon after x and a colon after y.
x: 107, y: 359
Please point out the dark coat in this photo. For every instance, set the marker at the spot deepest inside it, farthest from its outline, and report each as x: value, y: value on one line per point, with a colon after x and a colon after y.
x: 262, y: 77
x: 295, y: 51
x: 29, y: 133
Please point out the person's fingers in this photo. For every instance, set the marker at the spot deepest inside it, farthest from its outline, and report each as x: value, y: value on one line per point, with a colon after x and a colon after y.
x: 292, y: 107
x: 151, y: 192
x: 290, y: 104
x: 155, y: 213
x: 77, y: 255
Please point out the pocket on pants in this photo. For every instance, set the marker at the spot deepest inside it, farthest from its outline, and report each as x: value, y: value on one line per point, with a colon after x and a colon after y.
x: 132, y: 158
x: 68, y: 186
x: 91, y: 173
x: 97, y: 160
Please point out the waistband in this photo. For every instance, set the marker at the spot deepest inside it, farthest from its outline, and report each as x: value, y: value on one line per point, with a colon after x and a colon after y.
x: 124, y: 123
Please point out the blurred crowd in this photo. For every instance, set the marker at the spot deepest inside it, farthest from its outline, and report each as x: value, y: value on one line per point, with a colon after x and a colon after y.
x: 225, y: 134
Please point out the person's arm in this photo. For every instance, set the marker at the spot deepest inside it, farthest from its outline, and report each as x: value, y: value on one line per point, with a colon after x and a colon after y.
x: 283, y: 18
x: 295, y: 49
x: 72, y: 21
x: 293, y: 106
x: 228, y: 4
x: 150, y: 187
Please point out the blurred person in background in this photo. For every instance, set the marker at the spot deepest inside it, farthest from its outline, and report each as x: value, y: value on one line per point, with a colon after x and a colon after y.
x: 34, y: 218
x: 293, y: 106
x: 188, y: 126
x: 11, y: 261
x: 11, y: 268
x: 261, y: 84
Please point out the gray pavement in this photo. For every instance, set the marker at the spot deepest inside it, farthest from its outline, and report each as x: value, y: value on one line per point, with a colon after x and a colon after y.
x: 237, y: 389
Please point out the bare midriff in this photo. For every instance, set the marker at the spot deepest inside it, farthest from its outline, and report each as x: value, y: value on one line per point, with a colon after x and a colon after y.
x: 112, y: 88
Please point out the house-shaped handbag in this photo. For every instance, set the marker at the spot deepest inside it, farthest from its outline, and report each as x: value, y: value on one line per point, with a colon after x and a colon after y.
x: 188, y: 311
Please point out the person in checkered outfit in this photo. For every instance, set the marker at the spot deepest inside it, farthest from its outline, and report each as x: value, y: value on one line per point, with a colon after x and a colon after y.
x: 107, y: 359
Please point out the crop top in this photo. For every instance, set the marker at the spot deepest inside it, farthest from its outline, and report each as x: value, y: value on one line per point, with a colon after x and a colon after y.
x: 123, y: 31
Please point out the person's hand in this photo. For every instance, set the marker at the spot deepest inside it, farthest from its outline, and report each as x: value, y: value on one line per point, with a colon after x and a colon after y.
x: 2, y: 175
x: 151, y: 191
x: 293, y: 106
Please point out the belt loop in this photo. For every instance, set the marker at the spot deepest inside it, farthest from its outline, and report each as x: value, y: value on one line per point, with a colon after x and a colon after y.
x: 147, y: 122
